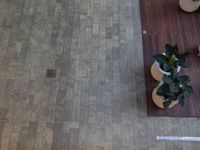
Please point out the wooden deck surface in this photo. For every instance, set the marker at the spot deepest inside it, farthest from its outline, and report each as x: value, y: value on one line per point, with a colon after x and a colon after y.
x: 164, y: 22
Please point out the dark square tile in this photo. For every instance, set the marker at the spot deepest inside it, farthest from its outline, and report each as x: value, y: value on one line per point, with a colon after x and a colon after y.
x: 51, y: 73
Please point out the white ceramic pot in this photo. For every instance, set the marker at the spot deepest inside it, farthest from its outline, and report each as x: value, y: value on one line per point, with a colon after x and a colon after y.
x: 157, y: 73
x: 158, y: 100
x: 189, y: 5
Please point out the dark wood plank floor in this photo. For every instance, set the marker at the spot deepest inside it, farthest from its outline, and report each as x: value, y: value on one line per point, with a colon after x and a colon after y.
x: 164, y: 22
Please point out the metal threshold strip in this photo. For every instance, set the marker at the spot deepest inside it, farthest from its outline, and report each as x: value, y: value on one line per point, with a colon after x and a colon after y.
x: 178, y: 138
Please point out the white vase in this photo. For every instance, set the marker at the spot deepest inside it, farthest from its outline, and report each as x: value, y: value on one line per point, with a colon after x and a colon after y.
x: 189, y: 5
x: 157, y: 73
x: 158, y: 100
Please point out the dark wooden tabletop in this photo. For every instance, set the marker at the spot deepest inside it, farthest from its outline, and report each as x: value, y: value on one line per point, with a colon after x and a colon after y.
x: 164, y: 22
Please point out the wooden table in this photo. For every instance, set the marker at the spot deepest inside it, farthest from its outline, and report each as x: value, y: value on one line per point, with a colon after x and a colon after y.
x: 164, y: 22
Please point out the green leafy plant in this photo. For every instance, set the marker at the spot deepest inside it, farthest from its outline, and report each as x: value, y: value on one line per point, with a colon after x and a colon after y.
x: 196, y: 0
x: 172, y: 58
x: 175, y: 87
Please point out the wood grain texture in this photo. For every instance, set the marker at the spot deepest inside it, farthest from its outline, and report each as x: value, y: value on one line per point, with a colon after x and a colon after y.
x: 164, y: 22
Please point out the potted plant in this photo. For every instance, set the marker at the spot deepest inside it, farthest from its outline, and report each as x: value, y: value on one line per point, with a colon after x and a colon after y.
x: 189, y: 5
x: 166, y: 61
x: 171, y: 90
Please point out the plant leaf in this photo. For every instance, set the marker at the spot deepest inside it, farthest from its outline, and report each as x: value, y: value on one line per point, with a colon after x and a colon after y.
x: 166, y: 104
x: 181, y: 100
x: 166, y: 67
x: 174, y: 88
x: 162, y: 90
x: 175, y: 50
x: 167, y: 79
x: 160, y: 58
x: 174, y: 73
x: 184, y: 79
x: 184, y: 55
x: 189, y: 89
x: 185, y: 64
x: 168, y: 50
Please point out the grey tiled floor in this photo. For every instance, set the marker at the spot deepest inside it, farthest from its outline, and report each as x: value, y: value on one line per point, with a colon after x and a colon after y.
x: 97, y: 99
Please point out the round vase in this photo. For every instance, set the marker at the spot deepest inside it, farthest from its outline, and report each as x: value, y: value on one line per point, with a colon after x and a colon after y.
x: 158, y: 100
x: 157, y: 73
x: 189, y: 5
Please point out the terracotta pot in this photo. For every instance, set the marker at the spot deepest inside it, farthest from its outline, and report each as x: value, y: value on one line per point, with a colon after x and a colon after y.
x: 157, y: 73
x: 158, y: 100
x: 189, y: 5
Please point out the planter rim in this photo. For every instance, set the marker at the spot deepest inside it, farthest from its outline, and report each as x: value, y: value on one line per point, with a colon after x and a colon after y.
x: 164, y: 72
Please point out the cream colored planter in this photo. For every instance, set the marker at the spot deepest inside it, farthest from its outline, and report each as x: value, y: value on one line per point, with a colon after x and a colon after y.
x: 157, y: 73
x: 158, y: 100
x: 189, y: 5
